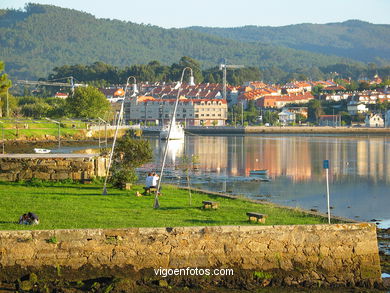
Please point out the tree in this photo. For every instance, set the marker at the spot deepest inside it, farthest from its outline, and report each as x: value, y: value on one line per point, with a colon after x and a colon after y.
x: 316, y: 90
x: 130, y: 153
x: 299, y: 118
x: 314, y: 110
x: 88, y: 102
x: 270, y: 117
x: 36, y: 110
x: 186, y: 164
x: 5, y: 84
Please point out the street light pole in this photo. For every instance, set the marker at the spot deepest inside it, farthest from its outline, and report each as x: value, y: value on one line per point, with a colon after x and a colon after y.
x: 120, y: 118
x: 156, y: 203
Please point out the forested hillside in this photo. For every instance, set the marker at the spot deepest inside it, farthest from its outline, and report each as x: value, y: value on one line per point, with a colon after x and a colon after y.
x: 41, y: 37
x: 354, y: 39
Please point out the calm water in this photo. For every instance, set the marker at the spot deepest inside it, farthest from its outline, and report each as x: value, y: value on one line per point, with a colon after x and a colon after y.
x: 359, y: 170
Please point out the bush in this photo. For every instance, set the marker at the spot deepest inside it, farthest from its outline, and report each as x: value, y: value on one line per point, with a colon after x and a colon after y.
x: 121, y: 177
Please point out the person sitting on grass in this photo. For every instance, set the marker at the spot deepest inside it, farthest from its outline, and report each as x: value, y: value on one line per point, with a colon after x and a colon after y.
x: 29, y: 219
x: 23, y: 220
x: 33, y: 218
x: 148, y: 183
x: 155, y: 179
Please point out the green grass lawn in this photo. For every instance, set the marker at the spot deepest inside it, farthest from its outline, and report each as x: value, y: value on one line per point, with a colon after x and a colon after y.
x: 67, y: 205
x: 38, y: 128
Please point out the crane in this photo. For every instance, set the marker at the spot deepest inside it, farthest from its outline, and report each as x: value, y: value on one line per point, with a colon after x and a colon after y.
x: 224, y: 67
x: 53, y: 83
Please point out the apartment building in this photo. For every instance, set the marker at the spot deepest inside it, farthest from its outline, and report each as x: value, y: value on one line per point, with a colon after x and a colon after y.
x: 191, y: 112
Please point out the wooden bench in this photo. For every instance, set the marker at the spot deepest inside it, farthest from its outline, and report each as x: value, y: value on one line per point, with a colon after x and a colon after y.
x: 127, y: 186
x: 86, y: 181
x: 210, y: 204
x: 256, y: 217
x: 148, y: 190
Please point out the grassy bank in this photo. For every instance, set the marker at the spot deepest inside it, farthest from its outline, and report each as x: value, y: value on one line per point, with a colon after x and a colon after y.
x: 39, y: 129
x: 67, y: 205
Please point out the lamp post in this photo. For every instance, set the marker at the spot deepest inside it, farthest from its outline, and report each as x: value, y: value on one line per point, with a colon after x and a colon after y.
x: 120, y: 118
x: 156, y: 203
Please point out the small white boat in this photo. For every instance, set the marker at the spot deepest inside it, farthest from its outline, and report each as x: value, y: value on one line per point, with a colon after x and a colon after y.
x: 177, y: 131
x: 258, y: 172
x: 41, y: 151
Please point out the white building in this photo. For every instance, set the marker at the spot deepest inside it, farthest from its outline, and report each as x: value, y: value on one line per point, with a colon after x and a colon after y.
x: 355, y: 108
x: 192, y: 112
x: 374, y: 120
x: 286, y: 117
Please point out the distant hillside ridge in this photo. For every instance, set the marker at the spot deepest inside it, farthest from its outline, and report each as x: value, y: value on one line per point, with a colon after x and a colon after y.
x: 355, y: 39
x: 35, y: 40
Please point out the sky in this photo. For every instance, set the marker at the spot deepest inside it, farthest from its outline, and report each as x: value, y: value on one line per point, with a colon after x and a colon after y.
x: 225, y: 13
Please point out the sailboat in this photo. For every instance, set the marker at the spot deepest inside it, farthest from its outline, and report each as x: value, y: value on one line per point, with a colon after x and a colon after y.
x: 177, y: 131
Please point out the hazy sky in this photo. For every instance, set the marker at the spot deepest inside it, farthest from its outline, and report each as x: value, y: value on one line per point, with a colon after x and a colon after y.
x: 225, y: 13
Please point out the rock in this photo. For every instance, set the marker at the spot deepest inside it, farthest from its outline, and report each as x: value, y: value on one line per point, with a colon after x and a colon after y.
x: 163, y: 283
x: 33, y: 278
x: 26, y: 285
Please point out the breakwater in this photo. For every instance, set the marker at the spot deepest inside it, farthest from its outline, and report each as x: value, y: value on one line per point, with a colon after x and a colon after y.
x: 301, y: 255
x: 286, y: 130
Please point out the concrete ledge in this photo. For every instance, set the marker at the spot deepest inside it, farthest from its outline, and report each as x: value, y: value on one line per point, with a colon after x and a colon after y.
x: 331, y: 255
x: 52, y: 166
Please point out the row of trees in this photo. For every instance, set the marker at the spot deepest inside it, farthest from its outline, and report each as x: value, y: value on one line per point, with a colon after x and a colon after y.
x: 101, y: 74
x: 86, y: 102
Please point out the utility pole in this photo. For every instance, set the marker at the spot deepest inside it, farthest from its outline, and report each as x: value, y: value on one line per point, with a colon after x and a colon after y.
x: 7, y: 105
x: 242, y: 114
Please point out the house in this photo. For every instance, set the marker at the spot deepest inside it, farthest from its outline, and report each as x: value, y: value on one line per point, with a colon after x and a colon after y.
x: 61, y: 95
x: 286, y: 117
x: 355, y: 108
x: 374, y: 120
x: 272, y: 101
x: 329, y: 120
x: 297, y: 110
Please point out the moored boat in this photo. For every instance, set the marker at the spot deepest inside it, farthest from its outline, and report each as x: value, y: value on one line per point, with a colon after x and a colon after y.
x: 258, y: 172
x: 41, y: 151
x: 177, y: 131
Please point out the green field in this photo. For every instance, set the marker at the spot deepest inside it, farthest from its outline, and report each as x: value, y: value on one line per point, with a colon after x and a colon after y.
x: 69, y: 205
x: 20, y: 128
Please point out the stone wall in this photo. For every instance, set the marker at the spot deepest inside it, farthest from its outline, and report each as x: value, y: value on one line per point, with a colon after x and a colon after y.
x: 51, y: 166
x: 310, y: 255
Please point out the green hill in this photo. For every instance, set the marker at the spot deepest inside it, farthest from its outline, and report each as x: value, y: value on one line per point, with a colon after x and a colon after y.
x: 353, y: 39
x: 41, y: 37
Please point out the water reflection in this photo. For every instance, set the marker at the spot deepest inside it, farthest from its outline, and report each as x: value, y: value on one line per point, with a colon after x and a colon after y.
x: 298, y: 158
x: 359, y: 173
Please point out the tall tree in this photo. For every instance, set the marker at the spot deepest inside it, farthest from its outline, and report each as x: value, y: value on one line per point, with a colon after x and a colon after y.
x: 88, y: 102
x: 5, y: 84
x: 314, y: 110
